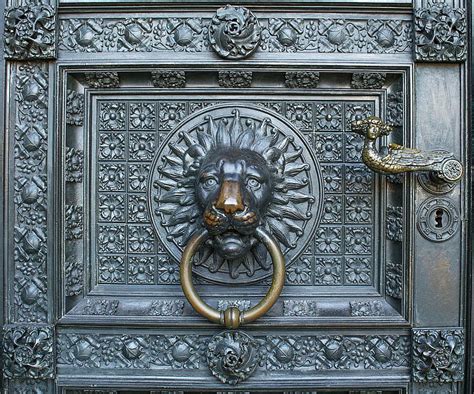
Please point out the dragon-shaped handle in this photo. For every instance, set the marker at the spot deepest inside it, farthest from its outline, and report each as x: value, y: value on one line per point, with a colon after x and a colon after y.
x: 395, y: 159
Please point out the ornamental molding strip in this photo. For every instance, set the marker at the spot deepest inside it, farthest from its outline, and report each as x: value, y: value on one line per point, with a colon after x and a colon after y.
x: 30, y: 32
x: 440, y: 33
x: 268, y: 35
x: 29, y: 303
x: 112, y: 351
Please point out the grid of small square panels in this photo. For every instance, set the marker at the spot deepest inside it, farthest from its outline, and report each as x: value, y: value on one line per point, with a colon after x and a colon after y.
x: 130, y: 133
x: 342, y: 252
x: 127, y: 138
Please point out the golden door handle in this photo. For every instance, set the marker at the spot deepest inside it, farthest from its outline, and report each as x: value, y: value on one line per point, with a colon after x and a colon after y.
x: 232, y: 317
x: 395, y: 159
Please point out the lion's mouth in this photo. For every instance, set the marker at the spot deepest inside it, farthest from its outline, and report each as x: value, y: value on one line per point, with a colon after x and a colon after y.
x: 232, y: 244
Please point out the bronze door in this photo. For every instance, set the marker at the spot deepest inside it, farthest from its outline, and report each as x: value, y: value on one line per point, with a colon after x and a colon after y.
x: 216, y: 198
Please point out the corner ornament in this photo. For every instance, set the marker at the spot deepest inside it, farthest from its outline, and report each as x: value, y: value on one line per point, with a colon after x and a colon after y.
x: 30, y: 32
x: 234, y: 32
x: 440, y: 33
x: 395, y: 159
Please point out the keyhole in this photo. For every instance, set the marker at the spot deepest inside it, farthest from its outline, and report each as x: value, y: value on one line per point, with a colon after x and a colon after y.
x: 439, y: 218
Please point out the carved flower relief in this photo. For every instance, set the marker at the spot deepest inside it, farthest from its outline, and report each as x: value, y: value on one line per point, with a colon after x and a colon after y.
x: 168, y: 79
x: 168, y: 271
x: 357, y: 111
x: 111, y: 269
x: 137, y: 208
x: 358, y: 179
x: 395, y: 108
x: 112, y: 116
x: 140, y: 239
x: 272, y: 105
x: 394, y: 223
x: 393, y: 279
x: 300, y: 114
x: 354, y: 144
x: 171, y: 114
x: 235, y: 79
x: 328, y: 116
x: 358, y: 270
x: 329, y: 147
x: 74, y: 276
x: 303, y: 308
x: 332, y: 177
x: 299, y: 272
x: 111, y: 177
x: 74, y: 108
x: 142, y: 116
x: 107, y: 79
x: 328, y: 271
x: 74, y: 222
x: 166, y: 308
x: 111, y: 146
x: 302, y: 79
x: 328, y: 240
x: 358, y: 209
x: 138, y: 177
x: 111, y: 208
x: 141, y: 146
x: 368, y: 80
x: 332, y: 209
x: 74, y: 165
x: 141, y: 270
x: 111, y: 239
x: 358, y: 240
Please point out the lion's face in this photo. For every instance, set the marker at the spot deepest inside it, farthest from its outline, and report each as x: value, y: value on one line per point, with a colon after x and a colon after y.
x: 233, y: 188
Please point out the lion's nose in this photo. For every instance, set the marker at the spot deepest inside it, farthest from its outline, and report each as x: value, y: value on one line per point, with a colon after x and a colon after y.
x: 230, y: 199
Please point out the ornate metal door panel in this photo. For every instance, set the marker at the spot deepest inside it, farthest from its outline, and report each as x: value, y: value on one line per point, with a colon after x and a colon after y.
x: 164, y: 163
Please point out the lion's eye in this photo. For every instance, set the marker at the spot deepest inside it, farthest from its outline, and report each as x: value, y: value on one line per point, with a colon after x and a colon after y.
x: 209, y: 182
x: 253, y: 183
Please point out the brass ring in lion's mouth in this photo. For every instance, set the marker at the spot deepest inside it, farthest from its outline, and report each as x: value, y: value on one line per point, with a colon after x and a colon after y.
x: 233, y: 317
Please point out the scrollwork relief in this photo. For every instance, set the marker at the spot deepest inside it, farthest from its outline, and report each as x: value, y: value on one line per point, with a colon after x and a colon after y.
x: 438, y: 355
x: 234, y: 32
x: 440, y: 33
x: 28, y: 352
x: 30, y: 32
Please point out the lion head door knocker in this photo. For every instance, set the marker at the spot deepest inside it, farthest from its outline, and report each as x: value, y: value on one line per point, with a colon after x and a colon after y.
x: 237, y: 192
